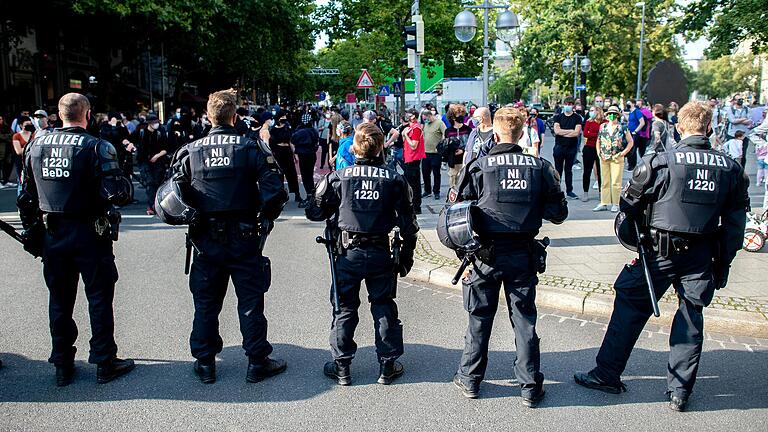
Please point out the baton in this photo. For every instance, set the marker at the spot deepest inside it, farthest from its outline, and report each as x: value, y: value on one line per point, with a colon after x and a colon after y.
x: 646, y: 270
x: 188, y: 257
x: 11, y: 231
x: 462, y: 267
x: 327, y: 240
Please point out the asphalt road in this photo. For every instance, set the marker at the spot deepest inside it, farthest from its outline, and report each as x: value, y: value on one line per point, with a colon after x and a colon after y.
x: 153, y: 309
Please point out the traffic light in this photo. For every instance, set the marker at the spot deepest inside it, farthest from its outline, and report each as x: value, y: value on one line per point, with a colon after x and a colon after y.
x: 413, y: 40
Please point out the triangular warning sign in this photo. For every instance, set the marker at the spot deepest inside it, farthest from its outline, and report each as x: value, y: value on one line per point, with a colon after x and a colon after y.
x: 365, y: 80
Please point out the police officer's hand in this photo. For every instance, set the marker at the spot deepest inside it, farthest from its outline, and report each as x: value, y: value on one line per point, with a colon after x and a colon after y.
x: 406, y: 263
x: 721, y: 276
x: 33, y: 240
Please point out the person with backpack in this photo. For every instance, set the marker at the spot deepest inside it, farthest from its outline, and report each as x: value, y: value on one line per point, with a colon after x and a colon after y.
x: 152, y: 146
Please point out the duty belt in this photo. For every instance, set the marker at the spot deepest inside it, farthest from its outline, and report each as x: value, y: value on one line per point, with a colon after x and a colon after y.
x: 219, y: 228
x: 667, y: 243
x: 351, y: 240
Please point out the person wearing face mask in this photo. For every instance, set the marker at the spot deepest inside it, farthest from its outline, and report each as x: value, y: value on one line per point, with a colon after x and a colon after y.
x: 152, y: 146
x: 614, y: 142
x: 567, y: 126
x: 739, y: 120
x: 480, y: 141
x: 457, y: 113
x: 345, y: 157
x: 639, y: 125
x: 203, y: 126
x: 357, y: 118
x: 40, y: 120
x: 589, y: 153
x: 598, y: 101
x: 434, y: 131
x: 280, y: 143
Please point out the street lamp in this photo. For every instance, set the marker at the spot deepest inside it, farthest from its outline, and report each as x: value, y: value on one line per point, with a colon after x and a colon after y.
x: 640, y: 60
x: 465, y: 26
x: 569, y: 65
x: 465, y: 29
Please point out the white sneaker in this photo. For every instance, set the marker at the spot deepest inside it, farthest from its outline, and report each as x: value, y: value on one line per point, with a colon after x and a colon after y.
x: 11, y: 185
x: 615, y: 208
x: 600, y: 207
x: 585, y: 197
x: 595, y: 186
x: 577, y: 167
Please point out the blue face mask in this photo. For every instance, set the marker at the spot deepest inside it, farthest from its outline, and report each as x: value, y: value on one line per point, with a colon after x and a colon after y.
x: 568, y: 109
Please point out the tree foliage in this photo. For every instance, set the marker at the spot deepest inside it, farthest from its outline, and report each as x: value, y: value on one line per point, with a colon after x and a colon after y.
x: 727, y: 75
x: 608, y: 32
x: 727, y: 23
x: 366, y: 34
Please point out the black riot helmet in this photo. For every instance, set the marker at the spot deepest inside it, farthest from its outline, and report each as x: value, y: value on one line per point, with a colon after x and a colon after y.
x: 454, y: 227
x: 170, y: 207
x: 625, y: 231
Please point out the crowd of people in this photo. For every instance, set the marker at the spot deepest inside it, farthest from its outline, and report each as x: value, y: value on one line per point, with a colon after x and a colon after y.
x: 602, y: 140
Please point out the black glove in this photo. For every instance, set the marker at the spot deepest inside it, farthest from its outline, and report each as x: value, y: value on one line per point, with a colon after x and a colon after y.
x: 720, y: 275
x: 34, y: 237
x: 406, y: 263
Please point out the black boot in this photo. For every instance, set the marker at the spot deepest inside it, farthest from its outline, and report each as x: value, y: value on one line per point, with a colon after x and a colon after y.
x: 206, y: 371
x: 534, y: 400
x: 114, y: 368
x: 469, y: 391
x: 389, y: 371
x: 266, y: 368
x: 589, y: 380
x: 677, y: 403
x: 65, y: 375
x: 338, y: 372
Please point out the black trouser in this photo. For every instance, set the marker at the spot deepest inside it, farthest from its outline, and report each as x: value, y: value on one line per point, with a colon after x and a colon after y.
x: 6, y: 163
x: 691, y: 276
x: 334, y: 145
x: 513, y: 266
x: 413, y: 176
x: 284, y: 157
x: 430, y: 171
x: 638, y: 150
x: 589, y: 154
x: 324, y: 153
x: 564, y: 157
x: 74, y: 250
x: 153, y: 175
x: 307, y: 169
x: 230, y: 254
x: 373, y: 264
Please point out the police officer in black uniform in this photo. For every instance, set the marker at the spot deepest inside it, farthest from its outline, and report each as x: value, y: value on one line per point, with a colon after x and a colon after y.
x: 513, y: 193
x: 691, y: 201
x: 236, y: 188
x: 70, y: 182
x: 369, y: 200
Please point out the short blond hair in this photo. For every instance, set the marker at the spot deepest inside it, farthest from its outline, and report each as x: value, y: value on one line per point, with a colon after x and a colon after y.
x: 508, y: 123
x: 694, y: 118
x: 221, y: 107
x: 73, y: 107
x: 369, y: 140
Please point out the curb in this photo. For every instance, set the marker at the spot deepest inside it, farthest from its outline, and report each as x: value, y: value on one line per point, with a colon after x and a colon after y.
x: 735, y: 322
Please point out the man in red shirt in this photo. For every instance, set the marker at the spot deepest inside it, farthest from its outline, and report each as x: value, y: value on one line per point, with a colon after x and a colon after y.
x: 413, y: 153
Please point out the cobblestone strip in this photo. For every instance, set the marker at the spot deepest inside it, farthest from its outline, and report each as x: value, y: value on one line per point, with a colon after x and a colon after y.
x: 426, y: 253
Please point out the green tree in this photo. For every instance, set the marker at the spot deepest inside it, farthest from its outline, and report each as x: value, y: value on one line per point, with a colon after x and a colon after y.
x: 727, y: 23
x: 366, y: 34
x: 727, y: 75
x: 608, y: 32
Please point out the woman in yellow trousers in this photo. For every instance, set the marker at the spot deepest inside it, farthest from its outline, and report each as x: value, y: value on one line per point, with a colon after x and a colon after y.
x: 614, y: 142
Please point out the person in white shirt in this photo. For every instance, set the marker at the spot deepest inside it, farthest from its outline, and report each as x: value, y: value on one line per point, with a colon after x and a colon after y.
x: 734, y: 146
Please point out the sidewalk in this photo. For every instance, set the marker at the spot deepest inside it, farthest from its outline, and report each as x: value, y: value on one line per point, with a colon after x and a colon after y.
x: 582, y: 263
